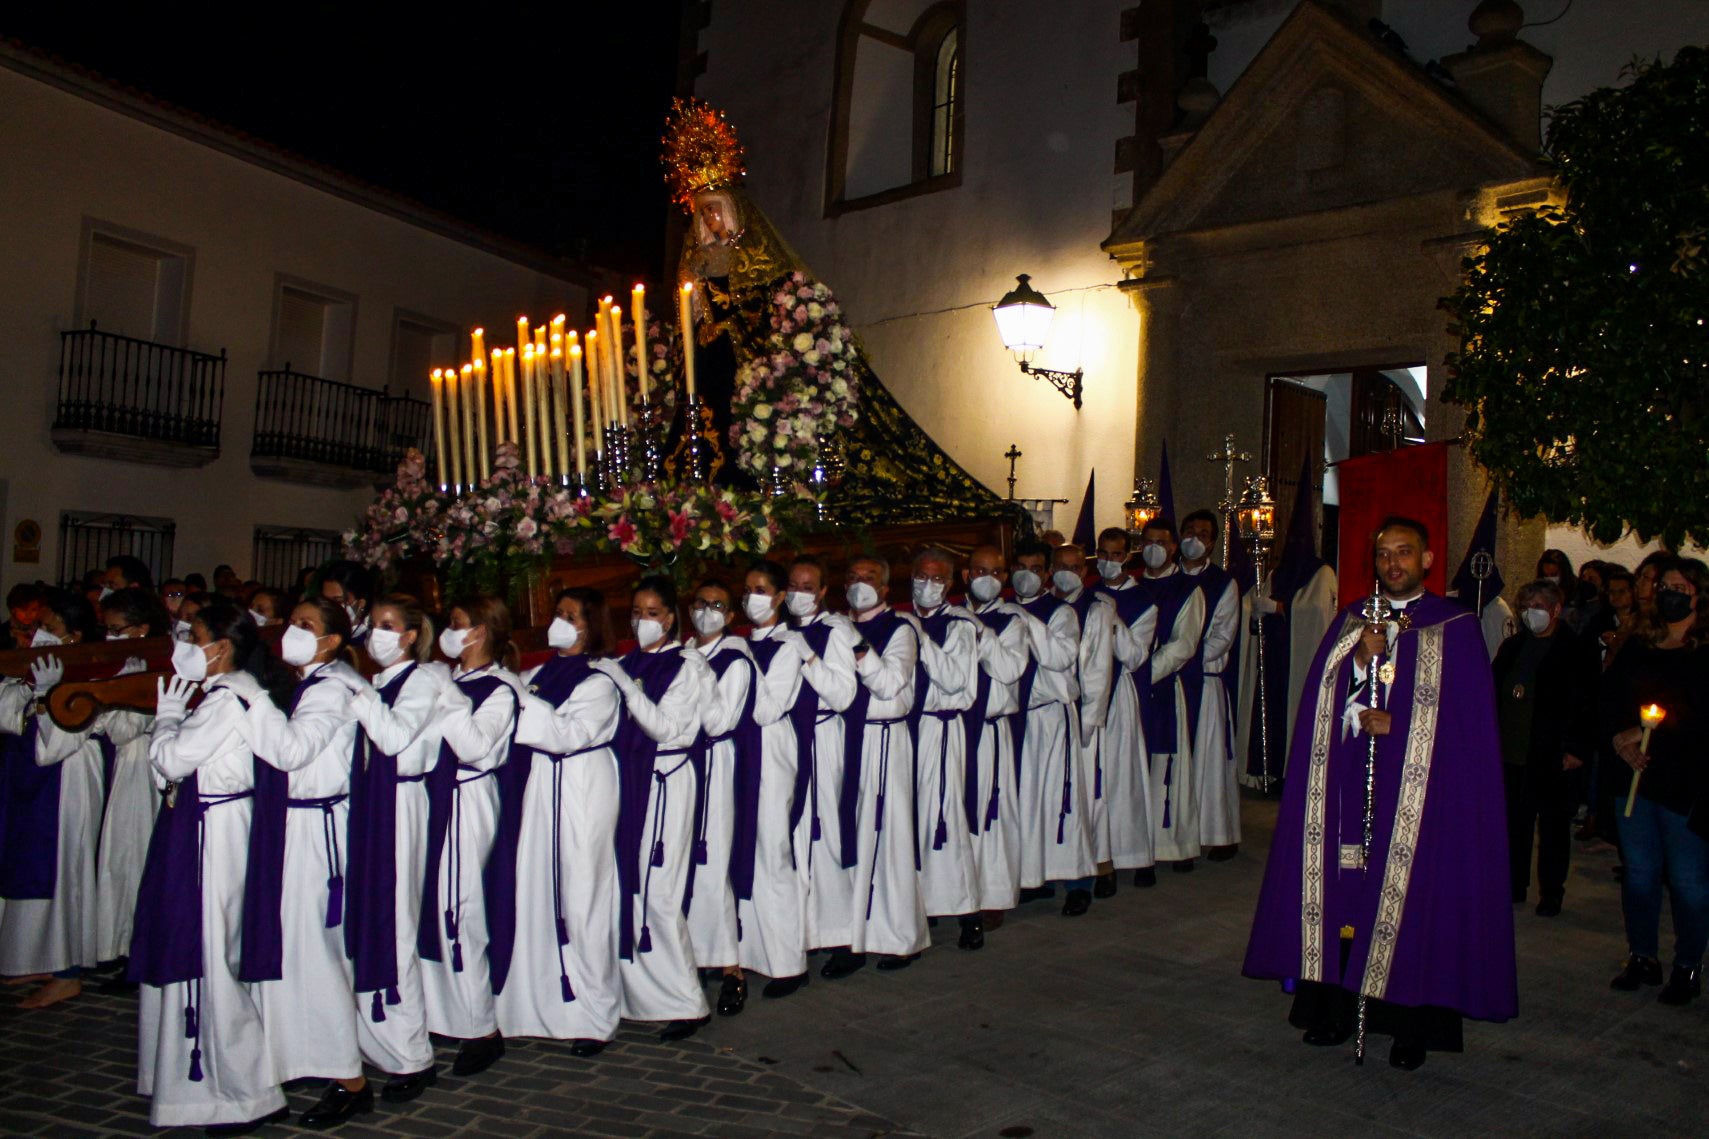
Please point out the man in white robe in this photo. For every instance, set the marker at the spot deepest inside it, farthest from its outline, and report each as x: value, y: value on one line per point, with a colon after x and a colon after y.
x: 1218, y: 784
x: 1004, y: 654
x: 1094, y: 672
x: 1165, y: 712
x: 1126, y: 773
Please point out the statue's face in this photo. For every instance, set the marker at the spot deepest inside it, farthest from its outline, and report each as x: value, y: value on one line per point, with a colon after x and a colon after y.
x: 712, y: 214
x: 719, y: 222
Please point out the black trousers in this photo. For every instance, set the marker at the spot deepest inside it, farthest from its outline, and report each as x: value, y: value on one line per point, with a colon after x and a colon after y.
x: 1540, y: 807
x: 1335, y: 1009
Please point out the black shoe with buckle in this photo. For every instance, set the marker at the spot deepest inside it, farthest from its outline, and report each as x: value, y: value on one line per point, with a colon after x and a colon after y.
x: 402, y: 1089
x: 1683, y: 986
x: 1639, y: 971
x: 732, y: 994
x: 972, y: 932
x: 338, y: 1104
x: 1077, y: 903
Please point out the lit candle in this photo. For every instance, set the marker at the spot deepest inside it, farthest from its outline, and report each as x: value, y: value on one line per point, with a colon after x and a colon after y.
x: 438, y: 381
x: 1650, y: 716
x: 467, y: 388
x: 522, y: 337
x: 619, y: 370
x: 478, y: 338
x: 451, y: 422
x: 685, y: 333
x: 561, y: 405
x: 512, y: 434
x: 552, y: 413
x: 576, y: 410
x: 595, y: 390
x: 638, y: 307
x: 497, y: 373
x: 481, y: 413
x: 530, y: 428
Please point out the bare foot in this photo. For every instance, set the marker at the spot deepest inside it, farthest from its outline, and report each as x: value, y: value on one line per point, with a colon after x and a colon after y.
x: 31, y: 979
x: 57, y: 989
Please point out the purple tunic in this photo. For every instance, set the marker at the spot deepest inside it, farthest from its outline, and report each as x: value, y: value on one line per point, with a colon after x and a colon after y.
x: 1434, y: 893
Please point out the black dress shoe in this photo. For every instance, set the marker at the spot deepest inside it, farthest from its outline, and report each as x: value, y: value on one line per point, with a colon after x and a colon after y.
x: 1549, y: 908
x: 972, y: 932
x: 254, y: 1125
x: 1406, y: 1057
x: 300, y: 1083
x: 732, y: 995
x: 1683, y: 986
x: 682, y: 1029
x: 1105, y: 886
x: 891, y: 962
x: 1077, y: 903
x: 1036, y: 894
x: 584, y: 1048
x: 1327, y: 1037
x: 338, y: 1105
x: 1184, y: 866
x: 1639, y: 971
x: 402, y: 1089
x: 780, y: 987
x: 841, y: 964
x: 1144, y: 877
x: 476, y: 1056
x: 1222, y: 853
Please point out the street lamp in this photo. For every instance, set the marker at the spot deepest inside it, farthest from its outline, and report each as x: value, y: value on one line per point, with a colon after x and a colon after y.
x: 1142, y: 507
x: 1023, y: 319
x: 1256, y: 517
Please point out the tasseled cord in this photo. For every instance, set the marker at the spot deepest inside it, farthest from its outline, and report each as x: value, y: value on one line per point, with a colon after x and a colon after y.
x: 1168, y: 792
x: 193, y: 1029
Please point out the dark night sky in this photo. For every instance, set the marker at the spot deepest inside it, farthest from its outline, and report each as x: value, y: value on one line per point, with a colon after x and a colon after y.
x: 539, y: 123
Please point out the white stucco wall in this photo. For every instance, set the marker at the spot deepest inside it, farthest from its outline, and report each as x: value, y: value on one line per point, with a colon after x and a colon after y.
x: 917, y: 277
x: 68, y: 159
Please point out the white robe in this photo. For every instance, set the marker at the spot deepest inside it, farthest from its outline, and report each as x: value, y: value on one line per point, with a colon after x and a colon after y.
x: 1126, y: 769
x: 1214, y: 767
x: 949, y: 876
x: 661, y: 983
x: 1174, y: 798
x: 712, y: 910
x: 773, y: 923
x: 308, y: 1012
x: 132, y: 803
x: 239, y: 1083
x: 572, y: 784
x: 47, y: 935
x: 1056, y: 845
x: 460, y: 1004
x: 831, y: 887
x: 398, y: 1045
x: 1097, y: 672
x: 889, y: 916
x: 1309, y: 613
x: 997, y: 844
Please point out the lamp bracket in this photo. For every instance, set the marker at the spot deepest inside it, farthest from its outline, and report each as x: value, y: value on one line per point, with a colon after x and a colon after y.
x: 1069, y: 384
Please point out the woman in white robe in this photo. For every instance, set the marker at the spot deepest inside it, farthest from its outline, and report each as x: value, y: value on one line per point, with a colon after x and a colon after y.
x: 563, y: 980
x: 664, y: 686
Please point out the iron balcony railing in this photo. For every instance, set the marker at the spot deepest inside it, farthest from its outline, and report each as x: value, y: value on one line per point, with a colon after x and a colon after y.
x: 307, y: 418
x: 126, y: 386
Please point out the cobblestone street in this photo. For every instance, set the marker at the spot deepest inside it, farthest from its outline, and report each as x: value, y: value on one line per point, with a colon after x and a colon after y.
x: 1132, y: 1019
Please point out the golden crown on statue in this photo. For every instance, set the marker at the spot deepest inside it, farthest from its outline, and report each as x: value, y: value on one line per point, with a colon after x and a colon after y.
x: 701, y: 151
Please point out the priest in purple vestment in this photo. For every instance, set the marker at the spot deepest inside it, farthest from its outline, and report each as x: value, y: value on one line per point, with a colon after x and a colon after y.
x: 1420, y: 927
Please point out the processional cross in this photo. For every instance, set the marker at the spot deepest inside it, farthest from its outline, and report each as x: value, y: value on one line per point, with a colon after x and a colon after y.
x: 1228, y: 456
x: 1013, y: 453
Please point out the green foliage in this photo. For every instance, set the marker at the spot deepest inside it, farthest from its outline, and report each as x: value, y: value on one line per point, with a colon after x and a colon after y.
x: 1584, y: 353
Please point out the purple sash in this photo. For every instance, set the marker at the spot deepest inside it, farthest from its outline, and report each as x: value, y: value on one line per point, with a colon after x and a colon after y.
x: 264, y: 885
x: 745, y: 832
x: 1157, y: 701
x: 877, y: 633
x: 636, y: 751
x: 937, y: 628
x: 973, y: 721
x: 1213, y: 581
x: 370, y: 926
x: 29, y: 819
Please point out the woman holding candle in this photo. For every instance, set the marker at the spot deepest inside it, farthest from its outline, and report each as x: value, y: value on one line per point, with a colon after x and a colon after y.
x: 1664, y: 665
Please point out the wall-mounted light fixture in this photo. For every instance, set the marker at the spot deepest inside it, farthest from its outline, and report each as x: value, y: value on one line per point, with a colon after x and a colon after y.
x: 1023, y: 319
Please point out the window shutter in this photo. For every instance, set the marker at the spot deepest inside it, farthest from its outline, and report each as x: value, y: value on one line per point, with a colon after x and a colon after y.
x: 122, y: 287
x: 301, y: 339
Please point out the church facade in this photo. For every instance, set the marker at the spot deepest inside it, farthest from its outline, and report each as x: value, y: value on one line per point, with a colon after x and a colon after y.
x: 1244, y: 212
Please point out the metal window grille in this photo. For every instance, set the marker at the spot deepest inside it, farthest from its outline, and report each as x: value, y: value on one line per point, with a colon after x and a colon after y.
x: 281, y: 552
x: 87, y: 539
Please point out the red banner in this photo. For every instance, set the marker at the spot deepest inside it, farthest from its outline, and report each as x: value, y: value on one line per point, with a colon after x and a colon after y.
x: 1413, y: 482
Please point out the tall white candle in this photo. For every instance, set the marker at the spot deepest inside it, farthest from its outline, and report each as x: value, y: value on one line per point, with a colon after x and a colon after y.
x: 438, y: 381
x: 576, y: 412
x: 638, y: 308
x: 466, y: 386
x: 451, y: 421
x: 685, y: 333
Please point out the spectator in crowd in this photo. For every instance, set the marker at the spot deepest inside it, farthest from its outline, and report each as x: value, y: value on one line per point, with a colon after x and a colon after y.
x: 172, y: 592
x: 1584, y: 610
x: 23, y: 612
x: 1545, y: 681
x: 227, y: 584
x: 351, y: 585
x: 124, y: 571
x: 1053, y: 538
x: 195, y: 582
x: 266, y: 607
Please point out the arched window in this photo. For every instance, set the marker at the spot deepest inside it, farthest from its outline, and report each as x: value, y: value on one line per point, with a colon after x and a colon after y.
x: 896, y: 120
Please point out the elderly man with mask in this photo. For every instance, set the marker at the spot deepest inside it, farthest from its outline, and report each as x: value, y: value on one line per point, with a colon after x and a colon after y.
x: 1217, y: 781
x: 1169, y: 709
x: 1545, y: 701
x: 875, y: 816
x: 1052, y: 845
x: 994, y: 729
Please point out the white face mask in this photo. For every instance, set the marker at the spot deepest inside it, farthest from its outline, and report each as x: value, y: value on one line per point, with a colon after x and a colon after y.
x: 298, y: 647
x: 1026, y: 583
x: 189, y: 661
x: 350, y: 612
x: 44, y: 640
x: 561, y: 634
x: 106, y: 592
x: 1109, y: 568
x: 861, y: 595
x: 708, y: 622
x: 759, y: 607
x: 261, y: 620
x: 1535, y: 619
x: 928, y: 594
x: 385, y: 646
x: 985, y: 589
x: 181, y: 630
x: 801, y: 603
x: 452, y: 642
x: 1154, y: 556
x: 1066, y: 581
x: 648, y: 631
x: 1192, y: 549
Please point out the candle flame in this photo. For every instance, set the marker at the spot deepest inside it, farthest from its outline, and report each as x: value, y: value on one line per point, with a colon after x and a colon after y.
x: 575, y: 351
x: 467, y: 368
x: 688, y: 286
x: 1652, y: 714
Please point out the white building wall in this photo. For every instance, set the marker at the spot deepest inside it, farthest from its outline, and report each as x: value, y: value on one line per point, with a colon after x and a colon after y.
x: 917, y: 277
x: 69, y: 159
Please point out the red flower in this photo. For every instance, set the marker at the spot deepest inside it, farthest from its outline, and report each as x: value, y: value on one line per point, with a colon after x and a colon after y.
x: 726, y: 511
x: 621, y: 531
x: 681, y: 524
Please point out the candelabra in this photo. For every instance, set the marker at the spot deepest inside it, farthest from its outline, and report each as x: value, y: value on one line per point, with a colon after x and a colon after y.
x: 650, y: 433
x: 697, y: 457
x: 617, y: 456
